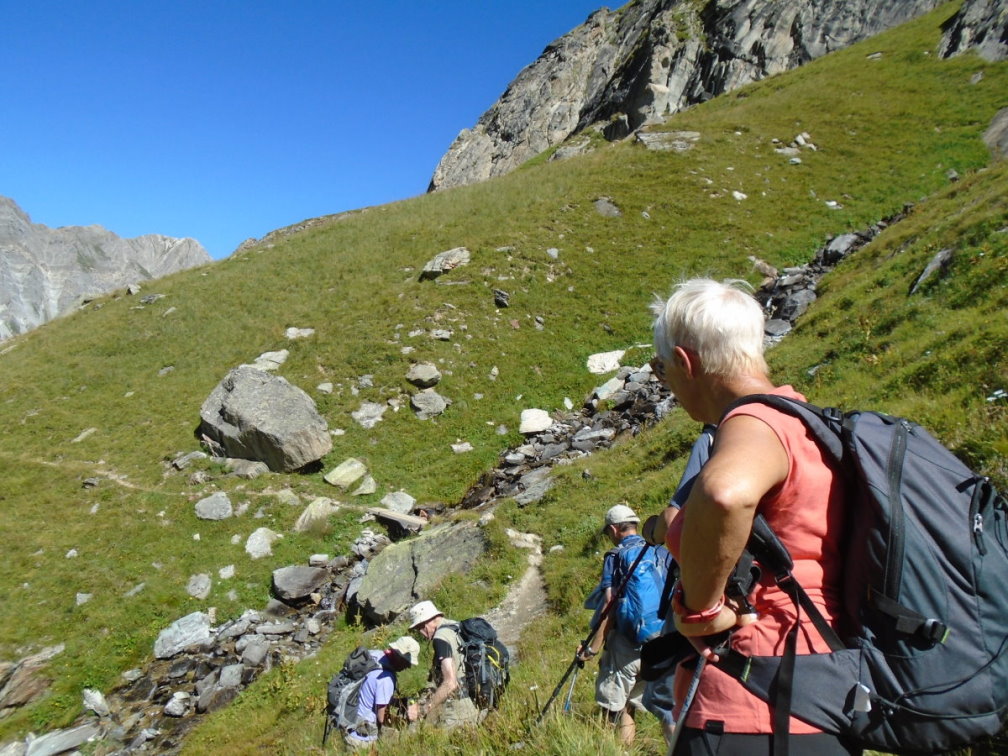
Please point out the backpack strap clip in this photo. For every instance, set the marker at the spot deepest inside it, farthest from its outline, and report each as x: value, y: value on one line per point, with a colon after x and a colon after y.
x: 933, y: 631
x: 909, y: 622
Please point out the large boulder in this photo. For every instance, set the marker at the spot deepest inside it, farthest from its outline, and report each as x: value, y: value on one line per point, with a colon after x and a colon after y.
x: 254, y: 415
x: 403, y: 572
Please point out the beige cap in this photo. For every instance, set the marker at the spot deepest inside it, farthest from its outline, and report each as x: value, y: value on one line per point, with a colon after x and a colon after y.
x: 420, y: 613
x: 408, y: 648
x: 619, y: 513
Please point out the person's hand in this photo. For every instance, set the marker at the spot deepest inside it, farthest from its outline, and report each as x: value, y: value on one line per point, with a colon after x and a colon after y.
x: 704, y: 636
x: 584, y: 653
x: 656, y: 526
x: 413, y: 712
x: 648, y: 532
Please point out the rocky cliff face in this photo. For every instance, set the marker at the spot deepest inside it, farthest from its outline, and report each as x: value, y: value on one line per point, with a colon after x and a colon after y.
x: 45, y: 272
x: 981, y: 25
x: 623, y: 69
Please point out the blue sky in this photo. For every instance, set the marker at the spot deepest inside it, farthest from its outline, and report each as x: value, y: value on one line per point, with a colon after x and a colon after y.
x: 223, y: 120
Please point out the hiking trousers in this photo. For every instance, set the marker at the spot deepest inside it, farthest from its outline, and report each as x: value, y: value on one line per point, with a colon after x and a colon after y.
x: 711, y: 742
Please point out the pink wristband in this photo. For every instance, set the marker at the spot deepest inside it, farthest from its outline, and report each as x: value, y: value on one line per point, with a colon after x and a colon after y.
x: 689, y: 617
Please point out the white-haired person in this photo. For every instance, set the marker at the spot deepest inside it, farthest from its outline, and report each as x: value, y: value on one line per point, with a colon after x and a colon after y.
x: 708, y: 338
x: 449, y: 704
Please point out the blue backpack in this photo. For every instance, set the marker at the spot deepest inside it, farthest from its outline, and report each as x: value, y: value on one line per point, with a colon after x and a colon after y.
x: 636, y: 610
x: 920, y: 662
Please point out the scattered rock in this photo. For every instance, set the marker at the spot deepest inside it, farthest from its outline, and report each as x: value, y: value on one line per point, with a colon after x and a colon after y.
x: 260, y: 543
x: 199, y: 586
x: 216, y: 506
x: 605, y: 362
x: 534, y: 421
x: 369, y: 414
x: 269, y: 361
x: 316, y: 513
x: 668, y: 141
x: 423, y: 374
x: 254, y: 415
x: 443, y: 262
x: 191, y: 630
x: 428, y: 403
x: 605, y: 207
x: 348, y: 472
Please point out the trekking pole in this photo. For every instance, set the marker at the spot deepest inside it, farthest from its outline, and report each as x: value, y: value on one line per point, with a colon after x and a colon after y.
x: 577, y: 663
x: 570, y: 691
x: 687, y: 702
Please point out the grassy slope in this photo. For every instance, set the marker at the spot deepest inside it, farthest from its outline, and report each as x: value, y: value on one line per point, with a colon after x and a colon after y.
x: 887, y: 131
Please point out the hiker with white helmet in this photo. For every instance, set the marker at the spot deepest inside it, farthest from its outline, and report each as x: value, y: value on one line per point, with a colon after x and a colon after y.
x: 377, y: 689
x: 449, y: 704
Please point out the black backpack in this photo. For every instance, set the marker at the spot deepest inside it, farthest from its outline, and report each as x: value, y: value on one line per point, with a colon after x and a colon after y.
x: 922, y: 665
x: 486, y: 662
x: 343, y: 692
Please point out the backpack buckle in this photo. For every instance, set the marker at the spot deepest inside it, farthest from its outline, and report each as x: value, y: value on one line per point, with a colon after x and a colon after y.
x: 933, y: 631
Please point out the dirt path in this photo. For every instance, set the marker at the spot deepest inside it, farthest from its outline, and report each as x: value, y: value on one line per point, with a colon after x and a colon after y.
x: 526, y: 599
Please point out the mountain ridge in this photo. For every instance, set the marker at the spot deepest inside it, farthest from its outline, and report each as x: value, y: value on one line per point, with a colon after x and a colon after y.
x: 45, y: 272
x: 625, y: 69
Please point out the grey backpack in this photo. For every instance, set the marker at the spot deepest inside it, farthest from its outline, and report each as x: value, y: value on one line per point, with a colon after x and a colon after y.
x: 920, y: 662
x: 343, y: 692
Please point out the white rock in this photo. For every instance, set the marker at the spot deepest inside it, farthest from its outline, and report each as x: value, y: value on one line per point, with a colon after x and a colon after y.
x: 605, y: 362
x: 609, y: 388
x: 369, y: 414
x: 226, y: 573
x: 318, y: 511
x: 398, y: 501
x: 95, y: 701
x: 534, y: 421
x: 177, y: 705
x: 199, y: 586
x: 260, y: 543
x: 367, y: 487
x: 271, y: 360
x: 189, y: 630
x: 299, y: 333
x: 348, y: 472
x: 739, y: 195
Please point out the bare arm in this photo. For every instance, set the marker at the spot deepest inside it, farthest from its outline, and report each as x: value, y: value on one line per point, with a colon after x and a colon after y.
x: 449, y: 684
x: 596, y: 641
x: 747, y: 462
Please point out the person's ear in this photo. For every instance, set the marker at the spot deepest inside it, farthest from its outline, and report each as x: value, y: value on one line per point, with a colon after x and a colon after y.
x: 684, y: 361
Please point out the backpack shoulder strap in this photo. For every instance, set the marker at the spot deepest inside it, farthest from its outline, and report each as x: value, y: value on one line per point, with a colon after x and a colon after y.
x: 825, y: 423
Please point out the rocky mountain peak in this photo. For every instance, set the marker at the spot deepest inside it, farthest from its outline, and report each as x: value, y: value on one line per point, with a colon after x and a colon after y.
x: 46, y: 272
x: 624, y: 69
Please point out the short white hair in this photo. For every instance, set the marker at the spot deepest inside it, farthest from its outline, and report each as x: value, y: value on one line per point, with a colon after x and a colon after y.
x: 719, y: 321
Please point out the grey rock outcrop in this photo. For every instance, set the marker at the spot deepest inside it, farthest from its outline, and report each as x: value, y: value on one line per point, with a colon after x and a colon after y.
x: 981, y: 25
x: 404, y: 571
x: 996, y: 135
x: 627, y: 68
x: 254, y: 415
x: 46, y: 272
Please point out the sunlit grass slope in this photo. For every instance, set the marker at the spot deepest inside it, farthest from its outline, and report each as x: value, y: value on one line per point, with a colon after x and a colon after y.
x: 887, y: 128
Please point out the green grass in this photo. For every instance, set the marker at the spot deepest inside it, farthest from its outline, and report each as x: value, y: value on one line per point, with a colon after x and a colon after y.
x: 887, y: 132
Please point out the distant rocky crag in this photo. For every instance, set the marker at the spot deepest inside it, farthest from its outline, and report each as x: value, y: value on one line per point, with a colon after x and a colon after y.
x: 625, y: 69
x: 46, y: 272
